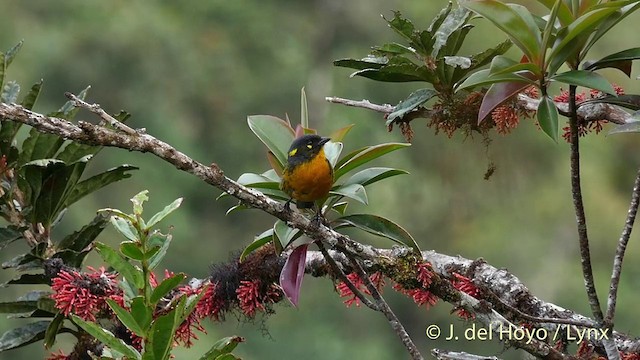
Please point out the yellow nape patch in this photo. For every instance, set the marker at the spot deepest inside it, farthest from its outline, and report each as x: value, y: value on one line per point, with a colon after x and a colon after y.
x: 293, y: 152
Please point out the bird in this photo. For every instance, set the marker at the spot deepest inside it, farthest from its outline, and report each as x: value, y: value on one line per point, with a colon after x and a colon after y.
x: 308, y: 175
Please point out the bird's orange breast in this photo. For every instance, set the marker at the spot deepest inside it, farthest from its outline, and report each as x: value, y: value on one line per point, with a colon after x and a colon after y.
x: 310, y: 180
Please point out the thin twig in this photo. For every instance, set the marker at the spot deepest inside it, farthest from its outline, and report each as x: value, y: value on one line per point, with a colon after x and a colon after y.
x: 96, y: 109
x: 620, y: 251
x: 440, y: 354
x: 581, y: 219
x: 365, y: 104
x: 341, y: 275
x: 386, y: 310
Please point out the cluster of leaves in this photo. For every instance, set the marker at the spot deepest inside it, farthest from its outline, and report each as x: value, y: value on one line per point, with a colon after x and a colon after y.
x: 429, y: 56
x: 153, y: 313
x: 39, y: 180
x: 277, y: 135
x: 564, y: 36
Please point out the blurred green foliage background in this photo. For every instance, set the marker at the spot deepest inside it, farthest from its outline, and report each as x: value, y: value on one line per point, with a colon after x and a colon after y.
x: 190, y: 73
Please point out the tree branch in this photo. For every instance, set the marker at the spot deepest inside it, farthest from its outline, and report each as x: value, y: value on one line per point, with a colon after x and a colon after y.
x: 510, y: 290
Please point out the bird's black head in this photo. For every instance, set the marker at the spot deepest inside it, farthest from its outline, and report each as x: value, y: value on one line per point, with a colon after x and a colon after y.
x: 306, y: 147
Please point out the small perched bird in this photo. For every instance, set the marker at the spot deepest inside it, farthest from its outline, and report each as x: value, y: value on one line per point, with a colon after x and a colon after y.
x: 308, y: 175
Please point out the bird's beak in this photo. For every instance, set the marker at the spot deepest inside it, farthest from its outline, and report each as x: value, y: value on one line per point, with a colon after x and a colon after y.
x: 323, y: 141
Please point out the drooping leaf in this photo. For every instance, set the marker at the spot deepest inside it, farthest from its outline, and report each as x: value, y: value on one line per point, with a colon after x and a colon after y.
x: 372, y: 175
x: 585, y: 78
x: 8, y: 235
x: 363, y: 156
x: 107, y: 337
x: 547, y: 115
x: 620, y: 60
x: 352, y: 191
x: 16, y: 307
x: 498, y: 94
x: 413, y: 101
x: 97, y: 182
x: 121, y: 265
x: 370, y: 62
x: 276, y: 134
x: 52, y: 330
x: 82, y: 238
x: 35, y: 279
x: 293, y: 273
x: 222, y: 347
x: 380, y: 226
x: 23, y: 335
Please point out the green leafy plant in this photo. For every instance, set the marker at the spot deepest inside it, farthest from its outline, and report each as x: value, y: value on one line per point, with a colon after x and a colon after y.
x: 277, y: 135
x: 564, y: 36
x: 39, y: 180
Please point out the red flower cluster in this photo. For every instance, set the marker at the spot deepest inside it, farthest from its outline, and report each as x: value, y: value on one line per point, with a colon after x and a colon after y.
x: 84, y: 294
x: 421, y: 295
x: 592, y: 126
x: 251, y: 299
x: 343, y: 290
x: 57, y: 356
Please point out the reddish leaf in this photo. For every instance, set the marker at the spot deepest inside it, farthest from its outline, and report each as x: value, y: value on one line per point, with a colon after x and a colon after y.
x: 293, y: 272
x: 498, y: 93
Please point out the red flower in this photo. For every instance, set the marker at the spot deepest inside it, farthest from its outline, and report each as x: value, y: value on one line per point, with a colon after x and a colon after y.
x: 344, y: 291
x: 83, y: 294
x: 465, y: 285
x: 57, y: 356
x: 248, y: 294
x: 210, y: 305
x: 421, y: 295
x: 506, y: 118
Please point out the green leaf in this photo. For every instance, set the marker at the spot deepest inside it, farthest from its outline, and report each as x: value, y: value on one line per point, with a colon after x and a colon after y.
x: 8, y: 235
x: 82, y: 238
x: 564, y: 13
x: 39, y: 146
x: 451, y: 32
x: 398, y: 69
x: 513, y: 21
x: 413, y: 101
x: 624, y: 9
x: 160, y: 340
x: 582, y: 26
x: 391, y: 49
x: 16, y: 307
x: 138, y: 201
x: 126, y: 317
x: 29, y: 279
x: 97, y: 182
x: 259, y: 241
x: 365, y: 155
x: 52, y: 330
x: 166, y: 286
x: 142, y: 314
x: 11, y: 53
x: 164, y: 212
x: 352, y: 191
x: 275, y: 133
x: 131, y: 249
x: 401, y: 26
x: 68, y: 111
x: 585, y: 78
x: 29, y: 100
x: 221, y: 347
x: 163, y: 241
x: 620, y: 60
x: 23, y: 335
x: 124, y: 227
x: 548, y: 117
x: 339, y: 135
x: 372, y: 175
x: 284, y: 233
x: 370, y: 62
x: 332, y: 151
x: 122, y: 266
x: 483, y: 78
x: 107, y: 337
x: 340, y: 208
x: 304, y: 112
x: 380, y: 226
